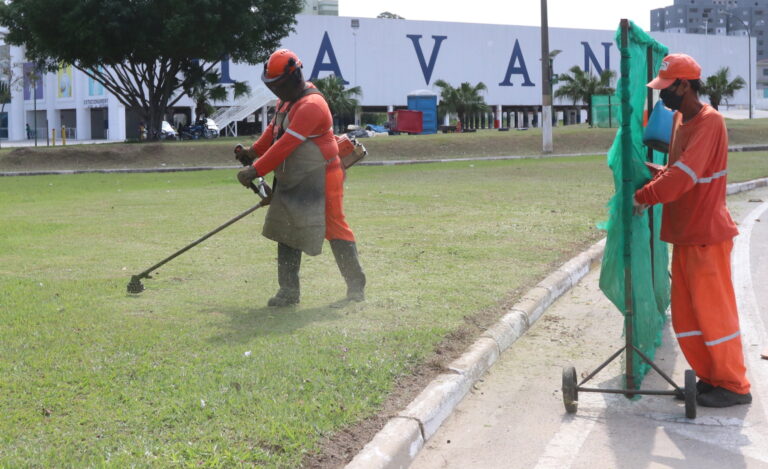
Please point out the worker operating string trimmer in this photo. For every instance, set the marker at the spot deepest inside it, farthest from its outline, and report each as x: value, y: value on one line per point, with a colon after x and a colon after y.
x: 299, y: 147
x: 309, y: 165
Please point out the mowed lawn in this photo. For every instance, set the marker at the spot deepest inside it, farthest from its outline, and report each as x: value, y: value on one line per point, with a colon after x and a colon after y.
x: 196, y: 370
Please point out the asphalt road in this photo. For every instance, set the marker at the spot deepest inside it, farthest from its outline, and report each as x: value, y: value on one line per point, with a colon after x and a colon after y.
x: 515, y: 418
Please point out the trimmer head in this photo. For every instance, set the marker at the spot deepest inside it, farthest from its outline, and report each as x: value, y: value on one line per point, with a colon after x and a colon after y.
x: 135, y: 285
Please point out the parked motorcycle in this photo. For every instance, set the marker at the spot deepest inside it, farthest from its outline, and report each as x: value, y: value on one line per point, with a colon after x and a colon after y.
x: 200, y: 129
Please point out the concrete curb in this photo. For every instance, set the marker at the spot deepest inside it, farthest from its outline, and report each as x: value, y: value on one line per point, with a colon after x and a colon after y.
x: 737, y: 187
x: 739, y: 148
x: 114, y: 171
x: 397, y: 444
x: 390, y: 449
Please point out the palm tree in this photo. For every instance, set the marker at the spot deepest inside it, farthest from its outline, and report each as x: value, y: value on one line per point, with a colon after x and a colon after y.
x: 581, y: 86
x: 717, y: 87
x: 463, y: 100
x: 207, y: 89
x: 341, y: 100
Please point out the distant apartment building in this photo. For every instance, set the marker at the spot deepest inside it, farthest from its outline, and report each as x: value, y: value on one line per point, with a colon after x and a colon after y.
x: 721, y: 17
x: 321, y: 7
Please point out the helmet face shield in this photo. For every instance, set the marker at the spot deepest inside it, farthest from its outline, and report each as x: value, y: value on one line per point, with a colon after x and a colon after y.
x: 287, y: 87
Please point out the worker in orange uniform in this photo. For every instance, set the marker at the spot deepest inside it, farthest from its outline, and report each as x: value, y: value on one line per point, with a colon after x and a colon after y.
x: 697, y: 223
x: 300, y: 148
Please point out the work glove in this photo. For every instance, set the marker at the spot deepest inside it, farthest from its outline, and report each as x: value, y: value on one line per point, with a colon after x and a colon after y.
x: 243, y: 155
x: 638, y: 208
x: 247, y: 175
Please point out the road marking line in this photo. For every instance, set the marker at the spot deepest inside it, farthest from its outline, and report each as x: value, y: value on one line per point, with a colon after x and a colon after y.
x: 564, y: 447
x: 752, y: 324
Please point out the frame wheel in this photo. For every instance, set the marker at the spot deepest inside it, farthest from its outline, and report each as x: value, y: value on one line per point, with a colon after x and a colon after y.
x: 690, y: 394
x: 570, y: 390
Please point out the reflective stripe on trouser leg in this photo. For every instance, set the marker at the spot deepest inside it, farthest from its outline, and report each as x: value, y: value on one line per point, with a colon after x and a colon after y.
x: 684, y: 320
x: 713, y: 303
x: 336, y: 226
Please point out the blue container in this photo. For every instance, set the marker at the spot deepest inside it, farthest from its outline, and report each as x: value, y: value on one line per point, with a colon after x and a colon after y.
x: 426, y: 102
x: 658, y: 133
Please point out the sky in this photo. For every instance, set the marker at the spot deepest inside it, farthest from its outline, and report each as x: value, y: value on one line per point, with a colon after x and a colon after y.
x: 580, y: 14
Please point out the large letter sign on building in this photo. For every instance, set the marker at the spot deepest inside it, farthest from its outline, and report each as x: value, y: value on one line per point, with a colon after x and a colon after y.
x: 332, y: 66
x: 517, y: 55
x: 426, y: 68
x: 589, y: 56
x: 389, y: 59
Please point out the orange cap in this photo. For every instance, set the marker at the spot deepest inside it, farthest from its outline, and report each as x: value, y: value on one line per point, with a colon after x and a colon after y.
x: 281, y: 62
x: 675, y: 67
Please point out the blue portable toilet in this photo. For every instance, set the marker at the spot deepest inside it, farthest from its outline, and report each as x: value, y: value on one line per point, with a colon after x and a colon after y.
x: 426, y: 102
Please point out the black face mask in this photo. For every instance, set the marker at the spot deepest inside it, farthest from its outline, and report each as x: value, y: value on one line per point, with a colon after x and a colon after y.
x: 670, y: 99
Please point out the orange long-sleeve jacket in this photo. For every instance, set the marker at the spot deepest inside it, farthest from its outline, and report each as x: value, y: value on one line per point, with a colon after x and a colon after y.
x: 693, y: 185
x: 309, y: 117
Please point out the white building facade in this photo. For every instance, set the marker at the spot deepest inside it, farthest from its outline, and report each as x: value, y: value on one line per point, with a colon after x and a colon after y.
x: 387, y: 58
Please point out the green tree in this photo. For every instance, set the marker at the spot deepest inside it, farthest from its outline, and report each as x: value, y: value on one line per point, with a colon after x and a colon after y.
x: 342, y: 101
x: 465, y: 99
x: 147, y: 52
x: 389, y: 15
x: 581, y: 86
x: 718, y: 88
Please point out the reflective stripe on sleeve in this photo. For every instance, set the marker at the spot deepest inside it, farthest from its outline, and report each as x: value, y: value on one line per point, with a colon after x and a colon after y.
x: 696, y: 180
x: 687, y: 171
x: 722, y: 339
x: 717, y: 175
x: 687, y: 334
x: 296, y: 134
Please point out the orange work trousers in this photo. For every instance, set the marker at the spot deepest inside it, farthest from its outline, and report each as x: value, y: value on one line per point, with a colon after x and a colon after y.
x: 336, y: 226
x: 704, y: 314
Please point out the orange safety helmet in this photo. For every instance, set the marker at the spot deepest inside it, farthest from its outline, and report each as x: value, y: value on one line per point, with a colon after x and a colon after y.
x: 282, y: 75
x: 280, y: 62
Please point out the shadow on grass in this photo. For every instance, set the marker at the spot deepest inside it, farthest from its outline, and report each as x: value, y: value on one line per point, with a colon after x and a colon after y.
x: 248, y: 323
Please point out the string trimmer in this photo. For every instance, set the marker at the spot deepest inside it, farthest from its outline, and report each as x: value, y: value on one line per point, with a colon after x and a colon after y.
x: 261, y: 189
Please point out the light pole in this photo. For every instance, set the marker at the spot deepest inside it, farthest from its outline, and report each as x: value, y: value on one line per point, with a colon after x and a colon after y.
x: 355, y: 26
x: 546, y: 85
x: 749, y: 57
x: 33, y: 77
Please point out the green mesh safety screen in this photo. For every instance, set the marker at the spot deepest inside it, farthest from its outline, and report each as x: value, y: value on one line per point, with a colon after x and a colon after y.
x: 634, y: 273
x: 605, y: 111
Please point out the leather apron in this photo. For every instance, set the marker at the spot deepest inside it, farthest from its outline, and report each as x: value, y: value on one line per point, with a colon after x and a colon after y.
x: 296, y: 215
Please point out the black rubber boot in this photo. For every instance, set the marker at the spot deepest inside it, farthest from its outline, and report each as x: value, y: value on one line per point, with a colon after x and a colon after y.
x: 288, y: 264
x: 702, y: 387
x: 721, y: 397
x: 345, y: 253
